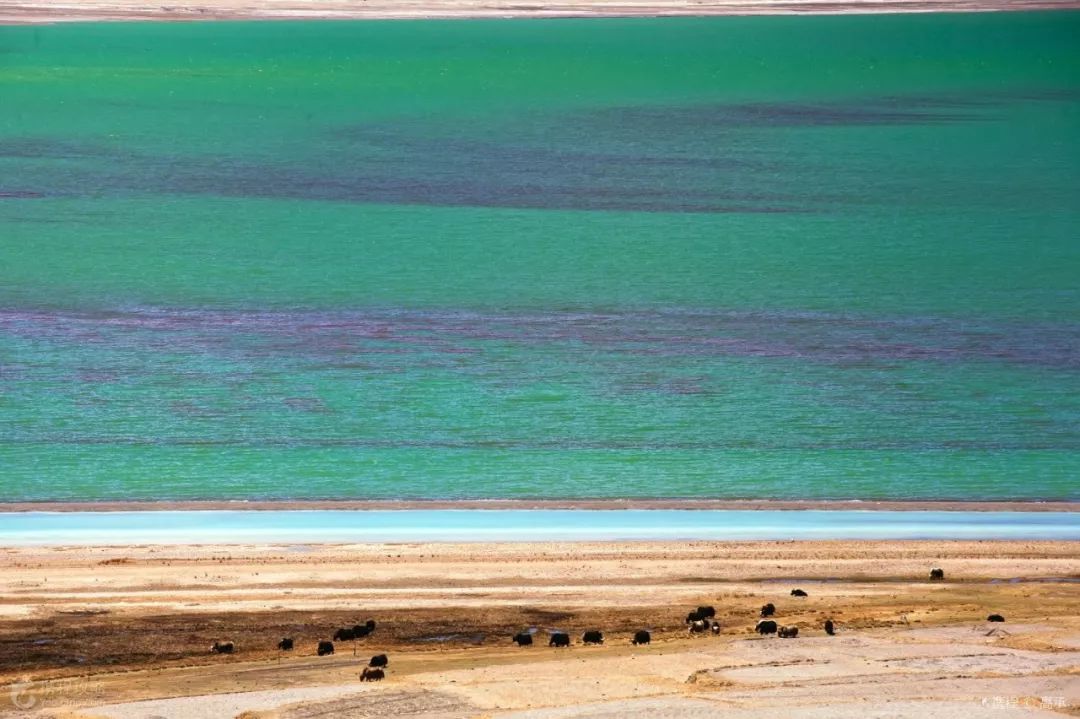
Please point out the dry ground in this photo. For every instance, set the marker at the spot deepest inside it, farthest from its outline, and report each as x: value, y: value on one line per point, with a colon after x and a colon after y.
x: 94, y: 629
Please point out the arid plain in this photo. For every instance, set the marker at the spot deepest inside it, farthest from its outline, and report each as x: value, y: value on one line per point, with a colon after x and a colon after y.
x: 124, y: 632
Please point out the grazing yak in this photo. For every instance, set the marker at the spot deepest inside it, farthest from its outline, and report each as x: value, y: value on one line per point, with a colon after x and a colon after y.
x: 522, y: 639
x: 559, y: 639
x: 787, y: 632
x: 222, y: 648
x: 768, y: 610
x: 325, y: 648
x: 798, y: 593
x: 698, y: 626
x: 593, y: 636
x: 362, y: 630
x: 830, y: 628
x: 285, y: 644
x: 344, y: 635
x: 995, y: 618
x: 700, y: 613
x: 372, y: 675
x: 715, y: 627
x: 379, y: 660
x: 641, y: 636
x: 766, y: 626
x: 937, y: 573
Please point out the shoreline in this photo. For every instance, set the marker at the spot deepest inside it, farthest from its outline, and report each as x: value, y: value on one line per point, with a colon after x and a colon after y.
x: 595, y: 504
x: 445, y: 614
x: 38, y: 12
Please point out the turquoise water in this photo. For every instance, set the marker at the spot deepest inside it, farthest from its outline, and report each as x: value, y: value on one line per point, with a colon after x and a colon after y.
x: 119, y: 528
x: 814, y: 257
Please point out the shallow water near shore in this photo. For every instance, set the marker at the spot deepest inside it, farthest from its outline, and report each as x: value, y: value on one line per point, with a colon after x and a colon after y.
x: 215, y: 527
x: 784, y: 258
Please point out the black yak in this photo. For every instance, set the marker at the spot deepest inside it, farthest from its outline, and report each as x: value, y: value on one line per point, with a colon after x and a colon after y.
x: 222, y: 648
x: 325, y: 648
x: 798, y: 593
x: 522, y: 639
x: 788, y: 632
x: 593, y: 636
x: 372, y: 675
x: 285, y: 644
x: 698, y: 626
x: 995, y: 618
x: 937, y: 573
x: 559, y: 639
x: 379, y: 660
x: 641, y: 636
x: 768, y: 610
x: 830, y: 629
x: 766, y: 626
x: 344, y: 635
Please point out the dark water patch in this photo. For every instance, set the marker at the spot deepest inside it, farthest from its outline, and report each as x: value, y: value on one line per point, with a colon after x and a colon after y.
x: 20, y: 194
x: 353, y: 339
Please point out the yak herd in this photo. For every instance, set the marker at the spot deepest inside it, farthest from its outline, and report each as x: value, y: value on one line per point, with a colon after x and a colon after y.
x: 698, y: 621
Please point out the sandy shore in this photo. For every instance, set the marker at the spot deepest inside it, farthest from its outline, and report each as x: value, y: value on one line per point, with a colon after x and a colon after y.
x: 596, y: 504
x: 51, y: 11
x: 124, y: 632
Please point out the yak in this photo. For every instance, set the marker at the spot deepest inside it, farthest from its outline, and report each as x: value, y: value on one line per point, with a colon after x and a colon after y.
x: 798, y: 593
x: 768, y: 610
x: 372, y: 675
x: 787, y: 632
x: 559, y: 639
x: 715, y: 627
x: 222, y: 648
x: 379, y: 660
x: 937, y: 573
x: 706, y: 612
x: 285, y: 644
x: 766, y: 626
x: 593, y: 636
x: 698, y: 626
x: 344, y: 635
x: 995, y: 618
x: 830, y: 628
x: 522, y: 639
x: 641, y: 636
x: 325, y: 648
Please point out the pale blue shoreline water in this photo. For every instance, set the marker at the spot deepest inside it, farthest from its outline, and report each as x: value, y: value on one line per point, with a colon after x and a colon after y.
x: 329, y: 526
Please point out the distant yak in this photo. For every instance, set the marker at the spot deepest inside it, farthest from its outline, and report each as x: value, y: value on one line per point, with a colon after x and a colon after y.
x: 641, y: 636
x: 325, y: 648
x: 715, y: 627
x: 937, y: 573
x: 766, y: 626
x: 285, y: 644
x: 830, y: 629
x: 787, y: 632
x: 222, y: 648
x: 372, y: 675
x: 522, y: 639
x: 698, y: 626
x: 379, y: 660
x: 768, y: 610
x: 592, y: 636
x: 995, y: 618
x: 798, y: 593
x: 559, y: 639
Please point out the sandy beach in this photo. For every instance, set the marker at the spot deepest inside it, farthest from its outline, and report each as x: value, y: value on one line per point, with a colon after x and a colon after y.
x: 124, y: 631
x: 48, y: 11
